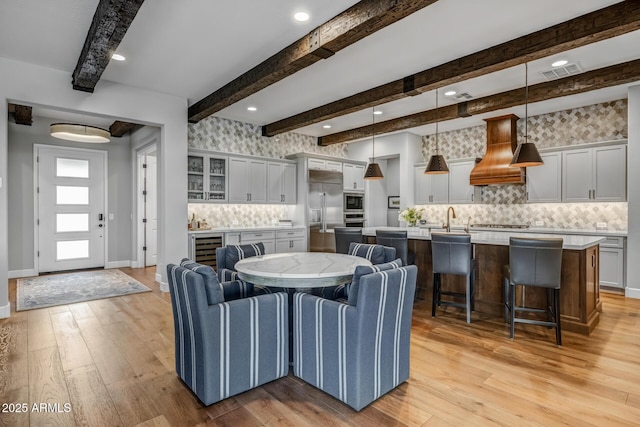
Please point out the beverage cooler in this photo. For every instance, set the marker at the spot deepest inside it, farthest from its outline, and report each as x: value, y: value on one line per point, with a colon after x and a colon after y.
x: 202, y: 247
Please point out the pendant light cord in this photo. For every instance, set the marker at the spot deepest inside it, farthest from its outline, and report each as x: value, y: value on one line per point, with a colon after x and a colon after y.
x: 526, y: 102
x: 437, y: 119
x: 373, y: 133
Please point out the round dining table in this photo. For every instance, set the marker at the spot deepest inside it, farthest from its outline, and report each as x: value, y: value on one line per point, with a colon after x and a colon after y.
x: 299, y: 270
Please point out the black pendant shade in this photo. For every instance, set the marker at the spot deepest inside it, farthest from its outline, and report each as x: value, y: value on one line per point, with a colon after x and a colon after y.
x: 437, y: 164
x: 373, y: 172
x: 526, y: 155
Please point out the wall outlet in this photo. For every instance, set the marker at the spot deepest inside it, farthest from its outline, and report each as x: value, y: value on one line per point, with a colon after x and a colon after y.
x: 601, y: 225
x: 234, y: 222
x: 539, y: 223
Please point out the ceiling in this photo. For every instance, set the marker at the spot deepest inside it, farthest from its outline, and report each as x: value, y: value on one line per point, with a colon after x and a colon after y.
x: 191, y: 48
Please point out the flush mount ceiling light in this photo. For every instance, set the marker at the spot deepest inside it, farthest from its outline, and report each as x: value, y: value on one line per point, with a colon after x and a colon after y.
x: 377, y: 112
x: 301, y: 16
x: 526, y: 154
x: 559, y: 63
x: 437, y: 163
x: 79, y: 133
x: 373, y: 171
x: 252, y: 109
x: 118, y: 57
x: 450, y: 93
x: 327, y: 126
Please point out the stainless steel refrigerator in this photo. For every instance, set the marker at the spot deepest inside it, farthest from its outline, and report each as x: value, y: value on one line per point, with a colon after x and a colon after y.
x: 325, y: 209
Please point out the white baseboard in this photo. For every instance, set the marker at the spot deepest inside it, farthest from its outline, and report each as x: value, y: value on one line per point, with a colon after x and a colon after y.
x: 164, y: 287
x: 16, y: 274
x: 5, y: 311
x: 158, y: 277
x: 117, y: 264
x: 632, y: 293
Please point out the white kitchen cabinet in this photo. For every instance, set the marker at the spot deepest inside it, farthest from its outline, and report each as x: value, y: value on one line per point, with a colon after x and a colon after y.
x: 460, y: 191
x: 612, y: 261
x: 544, y: 183
x: 247, y: 180
x: 232, y: 238
x: 430, y: 188
x: 281, y: 183
x: 267, y: 238
x: 206, y: 178
x: 594, y: 174
x: 324, y: 165
x: 291, y: 240
x: 353, y: 177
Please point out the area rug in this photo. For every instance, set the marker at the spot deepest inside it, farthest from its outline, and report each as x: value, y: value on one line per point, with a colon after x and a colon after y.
x: 69, y: 288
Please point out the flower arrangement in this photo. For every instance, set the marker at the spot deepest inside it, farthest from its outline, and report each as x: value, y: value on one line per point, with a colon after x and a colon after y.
x: 411, y: 216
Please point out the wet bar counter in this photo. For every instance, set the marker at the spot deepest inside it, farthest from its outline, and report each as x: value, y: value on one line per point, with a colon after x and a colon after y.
x: 579, y: 292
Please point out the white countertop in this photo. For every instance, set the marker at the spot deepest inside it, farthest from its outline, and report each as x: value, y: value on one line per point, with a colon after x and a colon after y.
x: 299, y: 269
x: 501, y: 238
x: 236, y: 229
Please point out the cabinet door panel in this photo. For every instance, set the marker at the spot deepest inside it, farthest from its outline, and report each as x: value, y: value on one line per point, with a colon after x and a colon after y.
x: 289, y: 179
x: 609, y: 173
x: 612, y: 267
x: 460, y: 191
x: 258, y: 181
x: 358, y: 177
x: 544, y: 182
x: 274, y: 183
x: 422, y: 186
x: 576, y: 175
x: 238, y: 181
x: 439, y: 188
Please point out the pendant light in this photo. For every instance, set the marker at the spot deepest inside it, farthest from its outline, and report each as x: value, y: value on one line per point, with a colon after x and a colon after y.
x: 79, y: 133
x: 373, y: 171
x: 526, y: 154
x: 437, y: 163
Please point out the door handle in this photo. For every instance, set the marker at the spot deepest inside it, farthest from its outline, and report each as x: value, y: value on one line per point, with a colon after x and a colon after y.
x: 100, y: 217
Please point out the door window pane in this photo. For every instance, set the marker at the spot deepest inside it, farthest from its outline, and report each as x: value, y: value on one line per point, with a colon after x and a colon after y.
x: 72, y: 249
x: 72, y: 168
x: 67, y: 195
x: 72, y: 222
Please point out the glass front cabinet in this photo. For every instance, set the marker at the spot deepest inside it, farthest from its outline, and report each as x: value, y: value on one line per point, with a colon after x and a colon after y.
x: 207, y: 178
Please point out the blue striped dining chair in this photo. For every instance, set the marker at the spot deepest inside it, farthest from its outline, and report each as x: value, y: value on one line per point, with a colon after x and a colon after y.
x: 224, y: 348
x: 359, y: 351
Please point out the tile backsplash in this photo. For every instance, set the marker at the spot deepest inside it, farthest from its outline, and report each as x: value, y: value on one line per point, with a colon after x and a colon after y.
x: 233, y: 137
x: 506, y: 204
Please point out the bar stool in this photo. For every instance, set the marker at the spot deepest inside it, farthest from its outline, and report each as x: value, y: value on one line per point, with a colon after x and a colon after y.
x: 451, y: 254
x: 398, y: 240
x: 534, y: 262
x: 346, y: 235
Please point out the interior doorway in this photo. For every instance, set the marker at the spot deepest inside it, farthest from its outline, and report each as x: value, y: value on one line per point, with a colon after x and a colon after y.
x: 147, y: 206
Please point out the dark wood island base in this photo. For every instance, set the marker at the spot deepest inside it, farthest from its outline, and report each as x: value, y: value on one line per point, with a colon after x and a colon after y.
x: 580, y: 304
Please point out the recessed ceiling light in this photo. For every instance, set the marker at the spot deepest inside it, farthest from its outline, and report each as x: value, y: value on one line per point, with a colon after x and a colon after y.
x: 450, y: 93
x: 118, y: 57
x: 301, y: 16
x: 559, y: 63
x: 377, y: 112
x: 252, y: 109
x: 327, y: 126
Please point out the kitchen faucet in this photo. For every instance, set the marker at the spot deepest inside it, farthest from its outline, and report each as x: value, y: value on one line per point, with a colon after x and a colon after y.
x: 448, y: 226
x: 468, y: 227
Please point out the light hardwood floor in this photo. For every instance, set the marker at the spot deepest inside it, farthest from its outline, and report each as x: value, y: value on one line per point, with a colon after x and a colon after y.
x: 112, y: 361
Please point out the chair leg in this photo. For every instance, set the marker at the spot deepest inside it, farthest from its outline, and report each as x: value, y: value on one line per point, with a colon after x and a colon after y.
x: 473, y: 290
x: 512, y: 299
x: 435, y: 294
x: 506, y: 300
x: 469, y: 298
x: 556, y: 301
x: 550, y: 306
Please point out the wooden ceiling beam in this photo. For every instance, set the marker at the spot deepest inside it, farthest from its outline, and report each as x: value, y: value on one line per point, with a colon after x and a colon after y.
x: 109, y: 25
x: 612, y: 21
x: 22, y: 114
x: 624, y: 73
x: 119, y: 129
x: 359, y: 21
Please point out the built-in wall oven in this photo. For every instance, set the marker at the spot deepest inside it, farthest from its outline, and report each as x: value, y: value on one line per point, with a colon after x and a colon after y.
x: 354, y: 220
x: 353, y: 202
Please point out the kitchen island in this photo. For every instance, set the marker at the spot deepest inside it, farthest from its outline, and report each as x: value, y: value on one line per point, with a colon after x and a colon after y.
x: 579, y: 293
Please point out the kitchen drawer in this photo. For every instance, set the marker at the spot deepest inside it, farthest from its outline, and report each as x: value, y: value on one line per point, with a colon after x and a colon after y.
x: 257, y: 236
x: 613, y: 242
x: 290, y: 234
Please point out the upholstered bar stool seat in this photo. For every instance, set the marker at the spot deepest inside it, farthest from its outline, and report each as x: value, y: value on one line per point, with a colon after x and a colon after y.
x: 534, y: 262
x: 345, y: 236
x: 452, y: 254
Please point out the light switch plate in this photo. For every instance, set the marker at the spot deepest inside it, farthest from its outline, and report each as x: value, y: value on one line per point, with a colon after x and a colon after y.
x: 234, y: 222
x: 111, y: 216
x: 601, y: 225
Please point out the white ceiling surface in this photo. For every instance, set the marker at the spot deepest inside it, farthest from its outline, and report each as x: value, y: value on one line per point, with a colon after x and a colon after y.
x: 192, y: 47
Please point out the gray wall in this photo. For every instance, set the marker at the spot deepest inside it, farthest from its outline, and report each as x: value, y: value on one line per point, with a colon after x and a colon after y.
x: 633, y: 186
x: 392, y: 180
x: 21, y: 197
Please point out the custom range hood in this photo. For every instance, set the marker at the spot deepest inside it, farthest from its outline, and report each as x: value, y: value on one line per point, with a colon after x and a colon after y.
x: 494, y: 167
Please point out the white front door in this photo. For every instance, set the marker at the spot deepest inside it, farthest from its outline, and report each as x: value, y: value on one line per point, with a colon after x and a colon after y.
x: 71, y: 208
x: 151, y: 210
